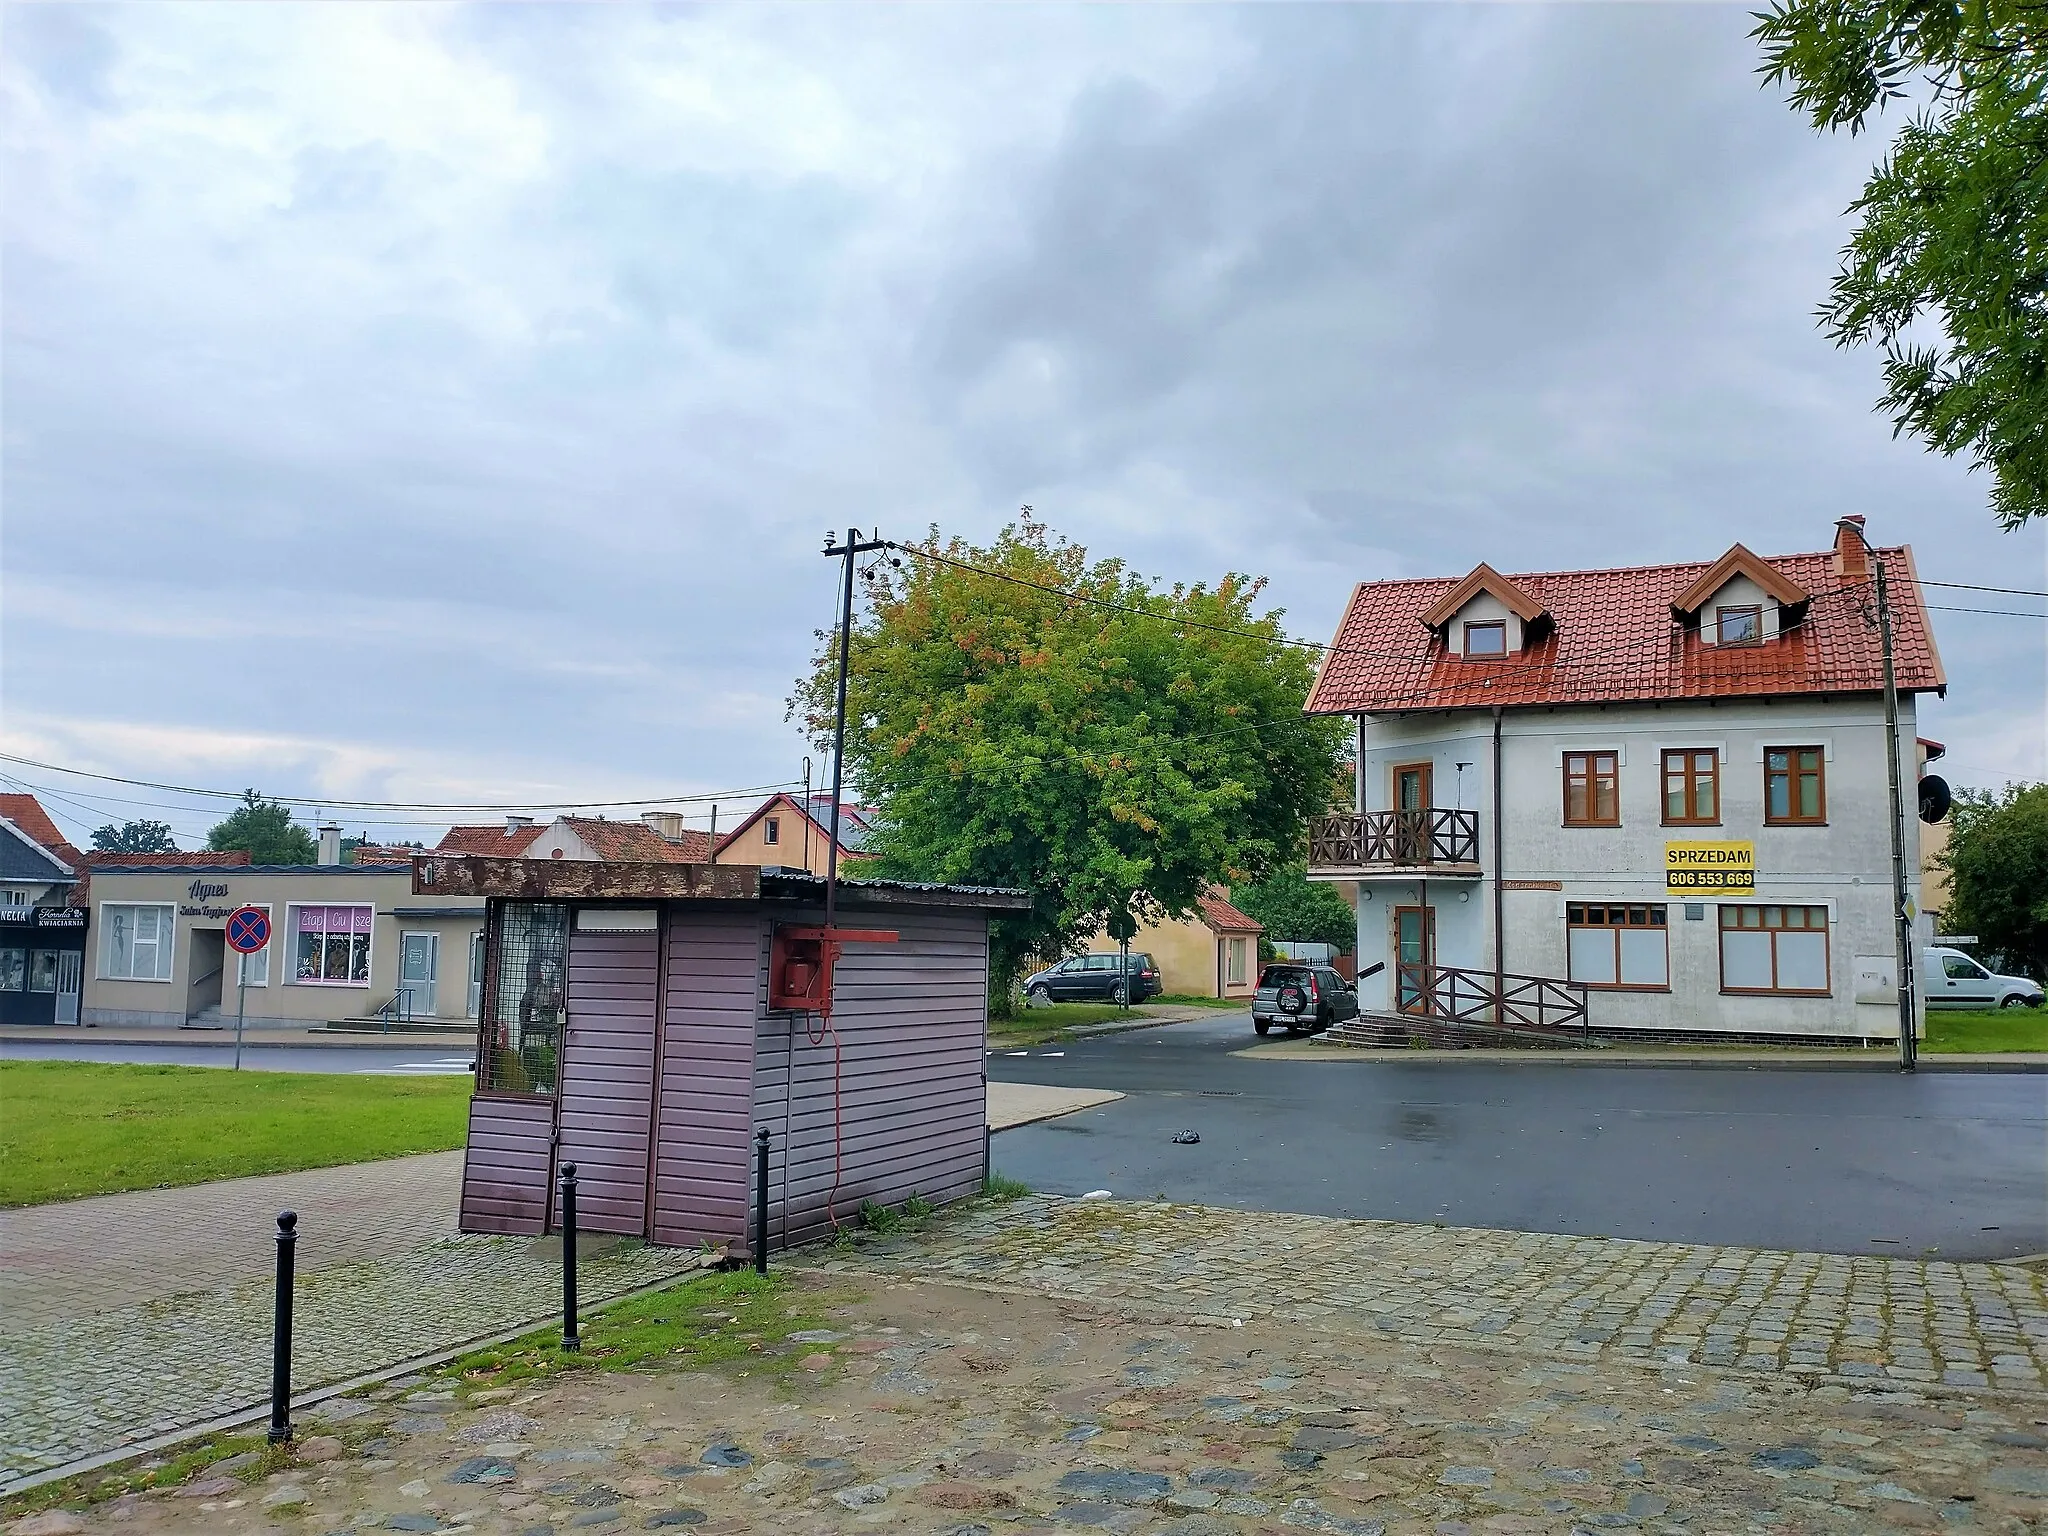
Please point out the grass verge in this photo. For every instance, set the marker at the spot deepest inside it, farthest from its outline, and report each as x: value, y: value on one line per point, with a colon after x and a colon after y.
x: 1986, y: 1029
x: 75, y: 1128
x: 1180, y: 1000
x: 1043, y: 1025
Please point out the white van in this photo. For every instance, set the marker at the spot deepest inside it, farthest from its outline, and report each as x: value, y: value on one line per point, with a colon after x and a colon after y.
x: 1951, y: 979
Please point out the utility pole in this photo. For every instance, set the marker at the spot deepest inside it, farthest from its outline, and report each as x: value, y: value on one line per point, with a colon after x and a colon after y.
x: 1909, y: 1046
x: 847, y: 551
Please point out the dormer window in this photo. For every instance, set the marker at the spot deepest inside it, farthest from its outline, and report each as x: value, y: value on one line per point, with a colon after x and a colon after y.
x: 1486, y: 639
x: 1739, y: 626
x: 1740, y: 600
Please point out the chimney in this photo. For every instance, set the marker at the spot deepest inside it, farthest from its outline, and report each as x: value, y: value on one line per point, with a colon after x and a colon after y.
x: 517, y: 824
x: 668, y: 824
x: 1852, y: 554
x: 330, y: 842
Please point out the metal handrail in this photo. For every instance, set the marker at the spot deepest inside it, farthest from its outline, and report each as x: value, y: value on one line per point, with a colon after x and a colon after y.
x: 1409, y: 839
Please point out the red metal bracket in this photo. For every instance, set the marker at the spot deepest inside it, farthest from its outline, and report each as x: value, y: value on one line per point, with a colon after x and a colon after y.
x: 801, y: 961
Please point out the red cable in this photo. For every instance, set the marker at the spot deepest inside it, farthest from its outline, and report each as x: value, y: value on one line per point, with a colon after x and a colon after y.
x: 828, y: 1028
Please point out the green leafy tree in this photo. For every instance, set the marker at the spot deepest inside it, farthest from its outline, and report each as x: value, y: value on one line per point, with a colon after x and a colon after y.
x: 1947, y: 272
x: 1113, y: 764
x: 134, y: 837
x: 1998, y: 873
x: 1298, y: 910
x: 266, y: 829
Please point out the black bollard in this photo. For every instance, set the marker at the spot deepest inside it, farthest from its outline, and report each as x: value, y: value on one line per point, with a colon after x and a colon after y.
x: 571, y: 1340
x: 761, y: 1201
x: 281, y: 1331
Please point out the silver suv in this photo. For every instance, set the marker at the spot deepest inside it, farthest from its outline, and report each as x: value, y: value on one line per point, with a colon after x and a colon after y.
x: 1301, y: 997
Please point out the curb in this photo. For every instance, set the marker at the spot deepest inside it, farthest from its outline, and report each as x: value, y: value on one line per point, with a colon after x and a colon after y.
x: 314, y: 1040
x: 1702, y: 1063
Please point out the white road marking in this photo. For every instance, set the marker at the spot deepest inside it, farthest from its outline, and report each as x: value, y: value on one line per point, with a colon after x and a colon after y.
x: 447, y: 1066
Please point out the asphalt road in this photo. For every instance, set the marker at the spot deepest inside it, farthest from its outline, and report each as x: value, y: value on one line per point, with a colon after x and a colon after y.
x: 1946, y: 1164
x: 418, y: 1061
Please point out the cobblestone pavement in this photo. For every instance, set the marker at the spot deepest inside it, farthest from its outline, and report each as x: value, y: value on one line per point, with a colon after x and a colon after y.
x: 931, y: 1408
x: 128, y: 1315
x: 1819, y: 1316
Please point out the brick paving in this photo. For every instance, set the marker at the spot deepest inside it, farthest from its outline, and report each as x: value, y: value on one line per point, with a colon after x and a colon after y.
x: 126, y: 1316
x: 1823, y: 1317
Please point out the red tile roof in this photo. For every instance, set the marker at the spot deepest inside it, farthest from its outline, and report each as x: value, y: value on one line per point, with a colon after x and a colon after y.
x: 1222, y: 917
x: 498, y: 840
x: 232, y: 858
x: 634, y: 842
x: 27, y: 813
x: 1614, y: 639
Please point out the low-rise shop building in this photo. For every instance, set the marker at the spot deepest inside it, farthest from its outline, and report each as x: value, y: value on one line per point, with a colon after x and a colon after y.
x: 347, y: 942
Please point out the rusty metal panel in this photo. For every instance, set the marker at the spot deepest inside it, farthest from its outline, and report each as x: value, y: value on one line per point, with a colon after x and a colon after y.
x: 440, y: 874
x: 508, y: 1164
x: 908, y: 1096
x: 608, y: 1076
x: 701, y: 1163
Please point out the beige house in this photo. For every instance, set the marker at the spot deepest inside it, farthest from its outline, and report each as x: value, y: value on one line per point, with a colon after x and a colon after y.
x: 781, y: 832
x: 1215, y: 953
x: 346, y: 941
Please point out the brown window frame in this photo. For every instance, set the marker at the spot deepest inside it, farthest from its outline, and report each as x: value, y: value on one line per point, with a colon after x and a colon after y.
x: 1721, y: 619
x: 1792, y: 775
x: 1825, y: 928
x: 1486, y: 624
x: 1591, y: 778
x: 771, y: 830
x: 1426, y: 772
x: 1690, y: 776
x: 1598, y: 915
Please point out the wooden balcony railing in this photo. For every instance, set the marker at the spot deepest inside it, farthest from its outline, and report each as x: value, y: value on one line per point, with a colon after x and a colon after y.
x: 1535, y: 1003
x: 1396, y: 839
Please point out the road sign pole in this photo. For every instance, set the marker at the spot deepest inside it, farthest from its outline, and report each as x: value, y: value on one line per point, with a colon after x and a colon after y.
x: 241, y: 1007
x: 248, y: 931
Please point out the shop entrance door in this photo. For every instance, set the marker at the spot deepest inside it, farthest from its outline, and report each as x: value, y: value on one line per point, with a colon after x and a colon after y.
x: 68, y: 971
x: 419, y: 959
x: 1414, y: 957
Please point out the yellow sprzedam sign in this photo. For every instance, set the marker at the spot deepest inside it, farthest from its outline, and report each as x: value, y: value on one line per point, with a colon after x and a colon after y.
x: 1691, y: 868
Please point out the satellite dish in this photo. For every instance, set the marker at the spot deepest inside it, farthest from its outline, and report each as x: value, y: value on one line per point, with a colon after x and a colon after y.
x: 1935, y: 798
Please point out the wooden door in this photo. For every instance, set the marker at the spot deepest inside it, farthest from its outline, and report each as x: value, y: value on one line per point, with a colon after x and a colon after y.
x: 1412, y: 787
x: 1414, y: 957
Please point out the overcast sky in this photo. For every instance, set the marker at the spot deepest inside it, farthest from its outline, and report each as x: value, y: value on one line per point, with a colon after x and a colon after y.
x: 434, y: 403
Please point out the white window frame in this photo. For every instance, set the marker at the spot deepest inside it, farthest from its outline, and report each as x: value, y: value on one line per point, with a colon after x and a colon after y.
x: 166, y: 933
x: 244, y: 973
x: 293, y: 979
x: 1233, y: 963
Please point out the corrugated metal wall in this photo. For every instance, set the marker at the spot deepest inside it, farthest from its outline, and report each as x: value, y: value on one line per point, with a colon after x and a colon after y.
x: 702, y: 1172
x: 506, y: 1171
x: 607, y: 1077
x: 912, y: 1023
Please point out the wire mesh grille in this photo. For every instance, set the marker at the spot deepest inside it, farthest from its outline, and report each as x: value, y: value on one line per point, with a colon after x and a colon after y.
x: 530, y: 962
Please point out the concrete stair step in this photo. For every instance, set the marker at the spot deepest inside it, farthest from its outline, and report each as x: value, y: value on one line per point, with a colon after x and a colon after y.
x: 376, y: 1026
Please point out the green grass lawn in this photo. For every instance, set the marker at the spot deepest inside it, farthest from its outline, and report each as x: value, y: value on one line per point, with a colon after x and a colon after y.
x: 70, y: 1128
x: 1042, y: 1025
x: 1986, y: 1029
x: 1182, y: 1000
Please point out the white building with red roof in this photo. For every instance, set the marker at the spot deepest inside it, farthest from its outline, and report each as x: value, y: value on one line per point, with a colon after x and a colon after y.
x: 1659, y: 789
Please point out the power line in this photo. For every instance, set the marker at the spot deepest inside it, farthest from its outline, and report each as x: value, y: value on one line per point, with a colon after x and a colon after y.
x: 1970, y: 586
x: 395, y: 805
x: 2003, y: 613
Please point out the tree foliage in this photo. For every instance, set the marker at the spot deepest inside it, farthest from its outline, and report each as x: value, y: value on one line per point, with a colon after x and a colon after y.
x: 1998, y: 873
x: 135, y: 837
x: 266, y: 829
x: 1111, y: 763
x: 1298, y: 910
x: 1953, y: 237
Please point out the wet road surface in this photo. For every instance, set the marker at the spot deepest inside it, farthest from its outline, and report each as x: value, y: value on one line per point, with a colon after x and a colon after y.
x: 1942, y: 1164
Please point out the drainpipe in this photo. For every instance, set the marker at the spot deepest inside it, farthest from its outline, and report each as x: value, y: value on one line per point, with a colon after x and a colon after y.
x: 1499, y: 896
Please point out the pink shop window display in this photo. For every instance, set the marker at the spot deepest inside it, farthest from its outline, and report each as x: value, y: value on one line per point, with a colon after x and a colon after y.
x: 331, y: 945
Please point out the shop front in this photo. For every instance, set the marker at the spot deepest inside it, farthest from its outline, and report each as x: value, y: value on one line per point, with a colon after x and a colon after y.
x: 42, y: 953
x: 348, y: 942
